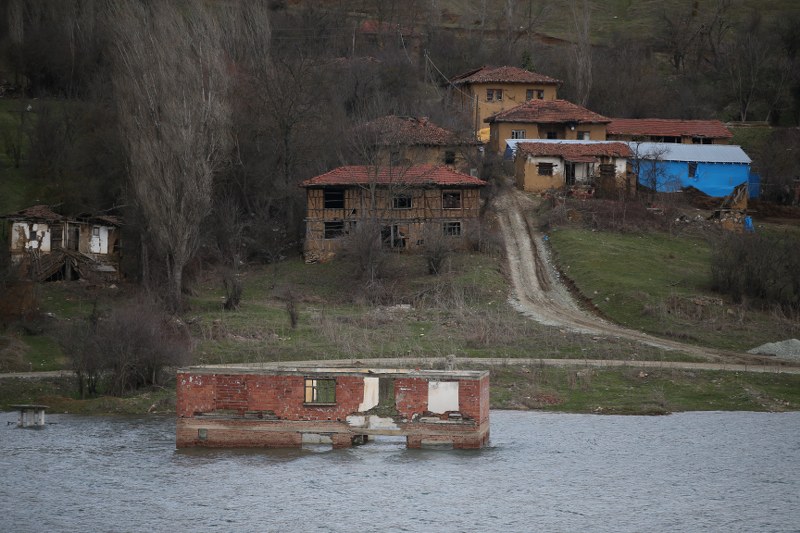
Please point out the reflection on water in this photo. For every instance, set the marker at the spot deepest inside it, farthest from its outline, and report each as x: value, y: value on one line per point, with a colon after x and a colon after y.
x: 551, y: 472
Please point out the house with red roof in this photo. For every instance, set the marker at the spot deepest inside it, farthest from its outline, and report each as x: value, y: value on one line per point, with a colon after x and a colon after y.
x: 668, y: 131
x: 405, y: 141
x: 543, y: 165
x: 407, y: 202
x: 487, y: 90
x: 545, y: 119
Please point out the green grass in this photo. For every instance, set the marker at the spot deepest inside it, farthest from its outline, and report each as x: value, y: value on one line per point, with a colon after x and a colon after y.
x: 661, y: 284
x: 634, y: 391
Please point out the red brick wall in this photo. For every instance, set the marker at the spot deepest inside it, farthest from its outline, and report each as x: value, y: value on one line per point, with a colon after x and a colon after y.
x: 284, y: 395
x: 411, y: 396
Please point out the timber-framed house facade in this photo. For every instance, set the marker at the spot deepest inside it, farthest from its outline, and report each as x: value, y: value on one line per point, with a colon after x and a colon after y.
x: 408, y: 203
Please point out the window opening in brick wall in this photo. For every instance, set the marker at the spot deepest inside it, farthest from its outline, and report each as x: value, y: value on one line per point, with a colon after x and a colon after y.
x: 545, y: 169
x: 451, y: 199
x: 333, y: 198
x: 320, y: 390
x: 449, y: 157
x: 451, y: 229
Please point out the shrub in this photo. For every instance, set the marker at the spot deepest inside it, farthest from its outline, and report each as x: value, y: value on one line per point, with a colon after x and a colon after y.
x: 129, y: 348
x: 763, y: 269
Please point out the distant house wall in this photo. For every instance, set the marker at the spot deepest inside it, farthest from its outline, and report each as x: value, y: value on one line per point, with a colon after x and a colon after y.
x: 529, y: 178
x: 499, y: 132
x: 435, y: 155
x: 30, y: 236
x: 427, y: 210
x: 473, y: 98
x: 685, y: 139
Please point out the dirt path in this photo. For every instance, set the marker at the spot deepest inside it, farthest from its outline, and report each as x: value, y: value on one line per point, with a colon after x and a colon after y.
x: 540, y: 295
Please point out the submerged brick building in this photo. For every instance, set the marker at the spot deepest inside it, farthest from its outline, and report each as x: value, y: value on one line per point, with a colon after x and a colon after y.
x: 248, y: 406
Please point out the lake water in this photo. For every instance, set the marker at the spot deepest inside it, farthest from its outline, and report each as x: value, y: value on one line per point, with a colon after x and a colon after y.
x: 543, y: 472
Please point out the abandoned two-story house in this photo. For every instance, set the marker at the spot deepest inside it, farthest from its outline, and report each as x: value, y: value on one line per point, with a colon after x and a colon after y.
x: 47, y: 245
x: 543, y: 165
x: 407, y: 202
x: 251, y: 406
x: 404, y: 141
x: 668, y: 131
x: 487, y: 90
x: 545, y: 119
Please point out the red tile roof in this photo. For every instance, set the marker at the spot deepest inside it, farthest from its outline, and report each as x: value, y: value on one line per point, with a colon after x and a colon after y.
x: 572, y: 151
x: 489, y: 74
x: 548, y: 112
x: 417, y: 175
x: 394, y: 130
x: 668, y: 128
x: 36, y: 212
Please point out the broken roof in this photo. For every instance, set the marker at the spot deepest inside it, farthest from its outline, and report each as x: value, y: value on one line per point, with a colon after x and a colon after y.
x: 575, y: 151
x: 394, y: 130
x: 548, y: 112
x: 36, y: 212
x: 417, y: 175
x: 505, y: 74
x: 699, y: 153
x: 668, y: 128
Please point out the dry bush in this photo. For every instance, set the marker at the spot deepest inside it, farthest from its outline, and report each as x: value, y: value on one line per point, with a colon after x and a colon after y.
x: 12, y: 351
x: 129, y: 348
x: 759, y: 269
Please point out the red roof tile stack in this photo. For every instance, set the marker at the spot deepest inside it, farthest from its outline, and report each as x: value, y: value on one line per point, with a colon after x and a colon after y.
x: 36, y: 212
x: 489, y: 74
x: 548, y: 112
x: 572, y: 151
x: 416, y: 175
x: 668, y: 128
x: 394, y: 130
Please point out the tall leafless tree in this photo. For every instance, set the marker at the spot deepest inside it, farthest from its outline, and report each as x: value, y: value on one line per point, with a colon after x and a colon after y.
x: 582, y: 49
x: 171, y: 86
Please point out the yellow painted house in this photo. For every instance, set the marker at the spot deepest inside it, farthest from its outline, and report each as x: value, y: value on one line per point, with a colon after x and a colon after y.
x: 546, y: 119
x: 487, y: 90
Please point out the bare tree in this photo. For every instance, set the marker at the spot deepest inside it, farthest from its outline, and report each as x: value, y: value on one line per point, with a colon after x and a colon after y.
x: 582, y: 48
x: 170, y: 82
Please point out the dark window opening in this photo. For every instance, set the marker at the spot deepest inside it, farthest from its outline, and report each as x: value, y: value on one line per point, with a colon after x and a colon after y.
x: 320, y: 390
x: 552, y: 135
x: 333, y: 198
x: 401, y: 201
x: 545, y: 169
x: 334, y: 230
x: 449, y: 157
x: 538, y: 94
x: 451, y: 199
x: 451, y: 229
x: 692, y: 169
x: 394, y: 236
x: 583, y: 136
x: 494, y: 95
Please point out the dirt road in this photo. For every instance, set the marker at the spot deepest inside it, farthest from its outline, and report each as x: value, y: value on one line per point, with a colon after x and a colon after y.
x: 539, y: 294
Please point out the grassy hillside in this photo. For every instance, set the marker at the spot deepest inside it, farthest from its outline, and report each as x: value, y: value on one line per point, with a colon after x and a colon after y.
x: 661, y: 284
